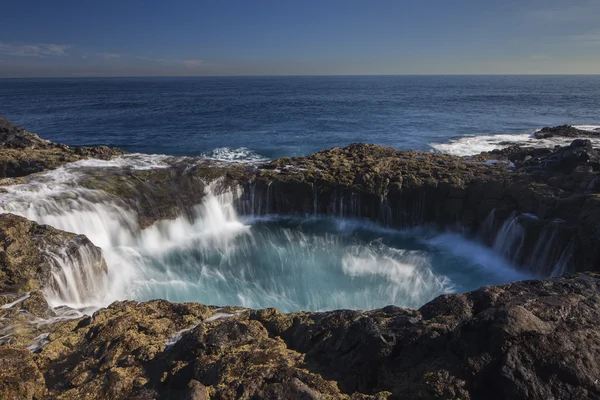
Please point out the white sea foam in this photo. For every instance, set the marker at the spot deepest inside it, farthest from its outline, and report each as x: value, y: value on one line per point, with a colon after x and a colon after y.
x: 480, y: 258
x: 240, y: 154
x: 136, y: 161
x: 475, y: 144
x: 410, y: 271
x: 591, y: 128
x: 108, y: 224
x: 39, y: 342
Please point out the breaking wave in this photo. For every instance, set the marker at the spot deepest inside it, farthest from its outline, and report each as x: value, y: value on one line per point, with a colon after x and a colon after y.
x: 240, y: 154
x: 475, y: 144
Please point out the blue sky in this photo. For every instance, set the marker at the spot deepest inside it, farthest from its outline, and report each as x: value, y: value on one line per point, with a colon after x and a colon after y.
x: 283, y: 37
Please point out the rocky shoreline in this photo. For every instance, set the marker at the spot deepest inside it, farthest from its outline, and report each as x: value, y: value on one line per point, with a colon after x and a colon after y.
x: 533, y: 339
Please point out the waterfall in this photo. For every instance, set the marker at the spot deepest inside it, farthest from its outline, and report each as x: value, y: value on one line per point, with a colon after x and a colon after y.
x: 510, y: 237
x: 78, y: 277
x: 542, y: 247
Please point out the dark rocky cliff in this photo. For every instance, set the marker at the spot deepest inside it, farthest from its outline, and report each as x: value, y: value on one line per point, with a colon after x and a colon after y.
x: 559, y: 187
x: 527, y: 340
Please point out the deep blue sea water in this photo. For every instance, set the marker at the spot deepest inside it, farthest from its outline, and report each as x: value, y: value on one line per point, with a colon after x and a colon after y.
x: 269, y: 117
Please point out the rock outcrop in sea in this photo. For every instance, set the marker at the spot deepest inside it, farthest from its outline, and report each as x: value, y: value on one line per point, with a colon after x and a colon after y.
x: 25, y: 153
x: 532, y: 339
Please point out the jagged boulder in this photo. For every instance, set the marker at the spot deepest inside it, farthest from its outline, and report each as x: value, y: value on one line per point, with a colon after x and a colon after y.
x: 26, y: 248
x: 16, y: 137
x: 564, y: 131
x: 525, y: 340
x: 129, y: 353
x: 23, y: 153
x: 20, y: 377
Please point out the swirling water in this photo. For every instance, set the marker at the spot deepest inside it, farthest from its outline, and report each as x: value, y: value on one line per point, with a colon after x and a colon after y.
x: 223, y: 258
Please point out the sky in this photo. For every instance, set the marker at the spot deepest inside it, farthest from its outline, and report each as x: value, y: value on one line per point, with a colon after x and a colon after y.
x: 74, y: 38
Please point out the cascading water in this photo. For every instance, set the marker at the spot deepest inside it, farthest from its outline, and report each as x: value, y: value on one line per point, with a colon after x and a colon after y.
x: 538, y: 245
x: 78, y: 277
x: 218, y: 257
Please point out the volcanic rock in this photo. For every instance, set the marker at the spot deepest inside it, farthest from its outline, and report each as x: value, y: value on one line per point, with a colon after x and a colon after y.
x: 525, y: 340
x: 23, y: 152
x: 25, y: 263
x: 564, y: 131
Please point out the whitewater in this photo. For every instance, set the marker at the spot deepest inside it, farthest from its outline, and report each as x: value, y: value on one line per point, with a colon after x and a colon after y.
x: 470, y: 145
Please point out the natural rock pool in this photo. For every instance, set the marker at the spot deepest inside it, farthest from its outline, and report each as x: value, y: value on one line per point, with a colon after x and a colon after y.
x: 312, y: 264
x: 218, y: 257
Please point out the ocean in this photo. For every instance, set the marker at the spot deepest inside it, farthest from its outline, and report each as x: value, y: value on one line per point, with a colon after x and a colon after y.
x: 261, y: 118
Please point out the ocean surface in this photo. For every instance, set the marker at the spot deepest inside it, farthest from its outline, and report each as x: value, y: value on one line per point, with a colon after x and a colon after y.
x: 315, y: 262
x: 255, y: 118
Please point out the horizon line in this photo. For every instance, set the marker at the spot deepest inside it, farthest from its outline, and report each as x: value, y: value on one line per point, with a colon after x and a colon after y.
x: 286, y: 75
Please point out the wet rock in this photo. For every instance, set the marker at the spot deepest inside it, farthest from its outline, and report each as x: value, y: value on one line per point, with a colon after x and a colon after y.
x: 166, y: 193
x: 391, y: 187
x: 564, y: 131
x: 37, y: 305
x: 196, y: 391
x: 25, y: 247
x: 12, y: 136
x: 524, y: 340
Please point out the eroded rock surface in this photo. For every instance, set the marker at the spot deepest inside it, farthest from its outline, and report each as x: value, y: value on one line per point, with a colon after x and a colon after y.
x: 25, y: 248
x: 477, y: 195
x: 560, y: 187
x: 526, y: 340
x: 564, y: 131
x: 23, y: 152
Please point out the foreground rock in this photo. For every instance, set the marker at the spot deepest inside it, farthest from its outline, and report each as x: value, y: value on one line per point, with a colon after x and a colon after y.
x: 527, y: 340
x: 23, y: 152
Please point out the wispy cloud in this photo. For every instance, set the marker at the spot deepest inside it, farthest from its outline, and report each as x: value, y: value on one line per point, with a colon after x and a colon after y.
x: 571, y: 11
x: 588, y: 39
x: 109, y: 56
x: 34, y: 50
x: 539, y: 57
x: 193, y: 63
x: 186, y: 63
x: 154, y: 59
